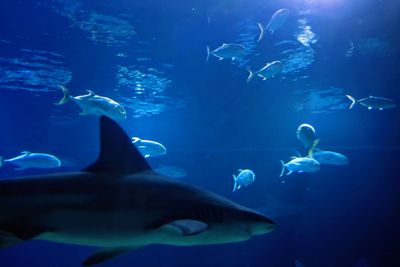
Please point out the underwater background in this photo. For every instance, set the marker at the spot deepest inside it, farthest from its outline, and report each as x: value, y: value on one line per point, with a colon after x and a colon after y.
x: 150, y: 56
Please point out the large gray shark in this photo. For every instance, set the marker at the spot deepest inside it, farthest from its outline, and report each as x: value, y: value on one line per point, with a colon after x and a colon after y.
x: 120, y: 204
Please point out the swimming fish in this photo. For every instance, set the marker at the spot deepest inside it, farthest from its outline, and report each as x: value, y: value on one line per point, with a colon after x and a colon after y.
x: 120, y: 204
x: 277, y: 20
x: 300, y: 164
x: 268, y: 71
x: 32, y: 160
x: 244, y: 178
x: 171, y: 171
x: 329, y: 157
x: 149, y: 148
x: 306, y: 135
x: 230, y: 51
x: 373, y: 102
x: 95, y: 104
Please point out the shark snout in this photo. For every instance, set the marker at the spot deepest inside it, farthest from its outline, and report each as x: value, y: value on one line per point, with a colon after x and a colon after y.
x: 261, y: 225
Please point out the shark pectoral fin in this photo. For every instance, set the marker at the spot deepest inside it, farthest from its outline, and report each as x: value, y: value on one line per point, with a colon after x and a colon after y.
x: 189, y: 227
x: 106, y: 254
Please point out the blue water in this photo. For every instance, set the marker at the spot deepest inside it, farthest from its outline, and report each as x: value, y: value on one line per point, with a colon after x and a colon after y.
x: 150, y: 57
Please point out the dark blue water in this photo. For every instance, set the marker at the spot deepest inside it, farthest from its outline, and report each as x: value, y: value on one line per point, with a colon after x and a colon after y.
x: 150, y: 57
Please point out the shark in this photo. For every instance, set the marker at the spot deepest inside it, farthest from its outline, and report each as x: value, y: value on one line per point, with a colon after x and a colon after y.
x: 119, y: 204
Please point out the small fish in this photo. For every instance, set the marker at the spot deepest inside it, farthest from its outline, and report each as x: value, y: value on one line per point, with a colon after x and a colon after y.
x: 306, y: 134
x: 149, y: 148
x: 95, y: 104
x: 277, y: 20
x: 268, y: 71
x: 329, y: 157
x: 230, y: 51
x: 373, y: 102
x: 33, y: 160
x: 171, y: 171
x: 300, y: 164
x: 244, y: 178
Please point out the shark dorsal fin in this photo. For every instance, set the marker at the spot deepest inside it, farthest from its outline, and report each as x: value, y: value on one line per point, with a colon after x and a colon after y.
x: 117, y: 153
x: 26, y: 153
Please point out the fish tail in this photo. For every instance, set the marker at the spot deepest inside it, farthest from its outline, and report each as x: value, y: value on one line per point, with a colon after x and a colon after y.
x: 353, y: 101
x: 251, y: 75
x: 208, y: 53
x: 234, y: 183
x: 66, y: 96
x: 283, y: 168
x: 262, y: 31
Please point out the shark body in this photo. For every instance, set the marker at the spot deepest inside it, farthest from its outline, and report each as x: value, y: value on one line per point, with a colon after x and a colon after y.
x: 120, y: 204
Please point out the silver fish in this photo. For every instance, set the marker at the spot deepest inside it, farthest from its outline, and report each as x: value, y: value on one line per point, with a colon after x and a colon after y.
x: 244, y: 178
x: 149, y: 148
x: 373, y: 102
x: 277, y: 20
x: 119, y: 203
x: 306, y: 135
x: 268, y: 71
x: 227, y: 51
x: 300, y: 164
x: 329, y: 157
x: 95, y: 104
x: 32, y: 160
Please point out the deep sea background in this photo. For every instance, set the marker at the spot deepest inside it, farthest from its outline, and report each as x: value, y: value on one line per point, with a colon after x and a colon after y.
x: 150, y: 57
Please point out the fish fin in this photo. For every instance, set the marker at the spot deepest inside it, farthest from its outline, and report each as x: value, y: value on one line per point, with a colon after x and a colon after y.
x: 297, y: 153
x: 22, y: 228
x: 66, y: 96
x: 8, y: 240
x: 208, y: 53
x: 220, y: 58
x: 240, y: 170
x: 262, y: 31
x: 135, y: 139
x: 283, y: 168
x: 25, y: 152
x: 353, y: 101
x: 312, y: 148
x: 264, y: 78
x: 289, y: 173
x: 293, y: 157
x: 90, y: 92
x: 189, y: 227
x: 251, y: 75
x: 234, y: 183
x: 117, y: 153
x: 106, y: 254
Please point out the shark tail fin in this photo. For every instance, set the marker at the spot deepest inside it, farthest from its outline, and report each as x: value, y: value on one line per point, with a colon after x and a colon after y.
x: 251, y: 75
x: 208, y: 53
x: 66, y: 96
x: 283, y: 168
x: 313, y: 147
x: 353, y: 101
x: 234, y: 183
x: 262, y: 31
